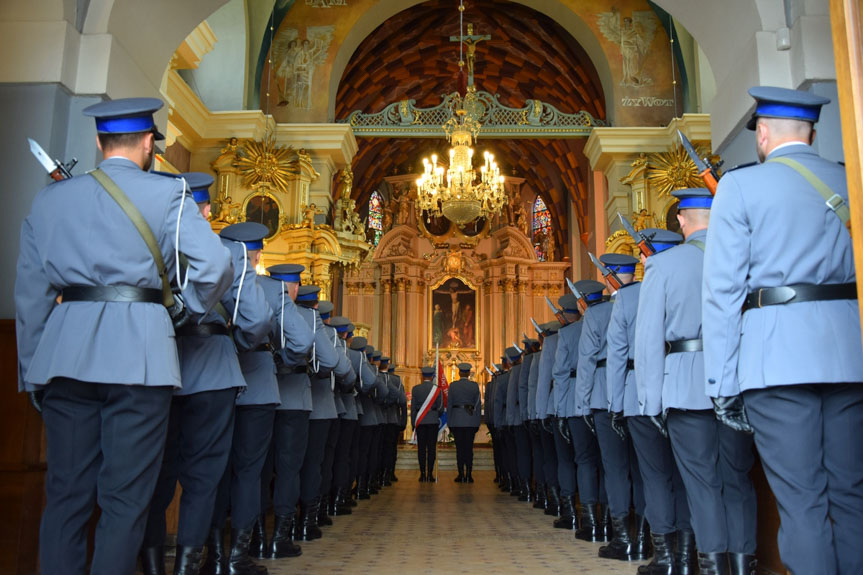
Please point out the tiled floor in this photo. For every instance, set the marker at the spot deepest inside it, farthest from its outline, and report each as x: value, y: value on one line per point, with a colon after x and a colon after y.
x: 447, y: 527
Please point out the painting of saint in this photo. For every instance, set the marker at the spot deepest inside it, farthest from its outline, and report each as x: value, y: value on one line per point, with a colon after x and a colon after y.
x: 453, y: 318
x: 263, y: 210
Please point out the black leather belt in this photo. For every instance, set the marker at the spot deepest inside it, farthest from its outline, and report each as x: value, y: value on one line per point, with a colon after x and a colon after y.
x: 126, y: 294
x: 291, y: 369
x: 601, y: 362
x: 799, y: 293
x: 573, y: 372
x: 630, y: 364
x: 683, y: 345
x: 201, y: 330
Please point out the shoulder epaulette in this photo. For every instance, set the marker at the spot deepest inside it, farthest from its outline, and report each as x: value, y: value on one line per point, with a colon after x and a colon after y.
x: 737, y: 167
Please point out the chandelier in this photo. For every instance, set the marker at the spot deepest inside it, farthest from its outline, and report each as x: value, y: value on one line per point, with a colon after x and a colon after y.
x: 456, y: 190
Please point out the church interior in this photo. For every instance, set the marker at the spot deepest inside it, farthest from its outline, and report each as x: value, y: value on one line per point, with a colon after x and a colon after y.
x: 325, y: 120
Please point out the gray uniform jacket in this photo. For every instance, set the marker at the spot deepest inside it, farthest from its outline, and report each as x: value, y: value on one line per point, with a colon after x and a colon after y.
x: 294, y: 332
x: 365, y: 404
x: 565, y: 363
x: 327, y: 361
x: 501, y: 387
x: 590, y: 392
x: 77, y: 235
x: 418, y: 397
x: 532, y: 379
x: 524, y: 387
x: 365, y: 379
x: 253, y: 327
x: 622, y: 393
x: 343, y: 376
x: 463, y: 392
x: 391, y: 407
x: 513, y: 411
x: 544, y: 379
x: 488, y: 402
x: 669, y: 309
x: 402, y: 403
x: 769, y: 228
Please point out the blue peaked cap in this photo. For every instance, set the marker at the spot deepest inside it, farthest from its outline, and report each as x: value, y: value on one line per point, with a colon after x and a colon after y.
x: 286, y: 272
x: 698, y: 198
x: 662, y: 239
x: 126, y: 116
x: 250, y: 233
x: 619, y: 263
x: 773, y: 102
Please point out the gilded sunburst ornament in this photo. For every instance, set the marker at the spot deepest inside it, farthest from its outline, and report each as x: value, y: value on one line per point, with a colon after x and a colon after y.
x: 673, y: 170
x: 266, y: 163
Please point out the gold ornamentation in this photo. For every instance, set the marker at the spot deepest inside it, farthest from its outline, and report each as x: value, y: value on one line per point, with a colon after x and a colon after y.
x: 265, y: 163
x: 672, y: 170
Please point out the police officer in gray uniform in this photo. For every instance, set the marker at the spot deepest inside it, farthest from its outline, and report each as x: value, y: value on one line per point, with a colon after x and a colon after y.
x: 714, y: 460
x: 378, y: 399
x: 77, y: 243
x: 488, y: 418
x: 291, y: 425
x: 528, y: 411
x: 340, y: 490
x: 623, y: 401
x: 402, y: 418
x: 520, y: 448
x: 463, y: 418
x: 593, y: 427
x: 775, y: 250
x: 368, y: 418
x: 255, y: 409
x: 397, y: 401
x: 389, y: 409
x: 545, y: 419
x: 427, y: 427
x: 201, y: 422
x: 564, y: 375
x: 666, y: 509
x: 323, y: 364
x: 500, y: 389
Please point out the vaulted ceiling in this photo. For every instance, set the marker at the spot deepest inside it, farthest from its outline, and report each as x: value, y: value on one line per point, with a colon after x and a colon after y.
x: 529, y: 56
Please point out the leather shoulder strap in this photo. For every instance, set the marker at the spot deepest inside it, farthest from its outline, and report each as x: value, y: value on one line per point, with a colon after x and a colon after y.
x: 140, y: 224
x: 834, y: 201
x: 697, y: 243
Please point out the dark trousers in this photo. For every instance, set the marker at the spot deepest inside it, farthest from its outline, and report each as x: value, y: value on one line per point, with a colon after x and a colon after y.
x: 330, y: 456
x: 104, y: 445
x: 808, y: 437
x: 200, y: 429
x: 392, y: 446
x: 565, y: 464
x: 666, y: 507
x: 344, y: 458
x: 495, y: 448
x: 290, y: 438
x: 366, y: 435
x: 522, y: 449
x: 509, y: 456
x: 375, y: 450
x: 587, y: 460
x: 549, y: 458
x: 714, y: 462
x: 464, y: 437
x: 537, y: 454
x: 615, y: 453
x: 240, y: 488
x: 426, y: 447
x: 310, y: 472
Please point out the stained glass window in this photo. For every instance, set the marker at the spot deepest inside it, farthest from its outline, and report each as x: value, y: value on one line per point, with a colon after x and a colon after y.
x: 541, y: 229
x: 376, y: 216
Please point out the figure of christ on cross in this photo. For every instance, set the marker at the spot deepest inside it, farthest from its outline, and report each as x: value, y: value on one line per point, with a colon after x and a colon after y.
x: 470, y: 41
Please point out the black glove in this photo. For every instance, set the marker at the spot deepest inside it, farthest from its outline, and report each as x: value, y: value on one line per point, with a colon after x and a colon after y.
x: 563, y: 428
x: 659, y: 422
x: 732, y: 412
x: 588, y: 419
x: 179, y: 313
x: 36, y: 398
x: 618, y: 424
x: 547, y: 425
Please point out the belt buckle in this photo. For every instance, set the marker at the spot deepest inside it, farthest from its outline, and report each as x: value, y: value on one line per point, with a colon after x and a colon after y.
x: 667, y: 347
x: 760, y: 291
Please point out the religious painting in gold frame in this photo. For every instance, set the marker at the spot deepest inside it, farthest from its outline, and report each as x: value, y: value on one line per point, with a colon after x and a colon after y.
x: 453, y: 315
x: 263, y: 208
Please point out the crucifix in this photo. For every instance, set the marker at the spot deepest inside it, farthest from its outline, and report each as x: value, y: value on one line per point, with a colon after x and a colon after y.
x: 470, y: 41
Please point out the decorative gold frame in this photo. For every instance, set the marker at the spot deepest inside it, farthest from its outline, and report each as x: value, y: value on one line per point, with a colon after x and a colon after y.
x: 261, y: 191
x: 476, y: 311
x: 453, y: 232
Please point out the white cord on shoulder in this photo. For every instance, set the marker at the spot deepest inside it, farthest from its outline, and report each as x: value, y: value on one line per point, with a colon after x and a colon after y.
x: 181, y: 282
x: 242, y: 279
x: 283, y: 316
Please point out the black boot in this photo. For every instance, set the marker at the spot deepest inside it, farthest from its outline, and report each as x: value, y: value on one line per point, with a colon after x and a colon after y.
x: 308, y: 529
x: 460, y: 477
x: 188, y: 560
x: 620, y: 547
x: 514, y: 485
x: 332, y: 501
x: 503, y: 484
x: 363, y: 488
x: 393, y: 477
x: 216, y: 561
x: 567, y: 514
x: 153, y: 560
x: 685, y: 556
x: 469, y: 477
x: 423, y: 477
x: 258, y: 544
x: 240, y: 563
x: 343, y: 505
x: 605, y: 531
x: 553, y: 501
x: 539, y: 499
x: 323, y: 518
x: 386, y: 478
x: 282, y: 544
x: 712, y: 563
x: 641, y: 548
x: 524, y: 490
x: 663, y: 556
x: 375, y: 484
x: 742, y: 564
x: 588, y: 528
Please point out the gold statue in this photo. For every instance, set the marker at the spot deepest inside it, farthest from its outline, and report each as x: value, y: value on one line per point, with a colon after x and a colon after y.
x: 309, y: 213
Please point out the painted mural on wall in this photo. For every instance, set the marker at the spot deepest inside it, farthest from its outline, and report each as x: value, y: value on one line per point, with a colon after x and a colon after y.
x: 295, y: 60
x: 453, y: 315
